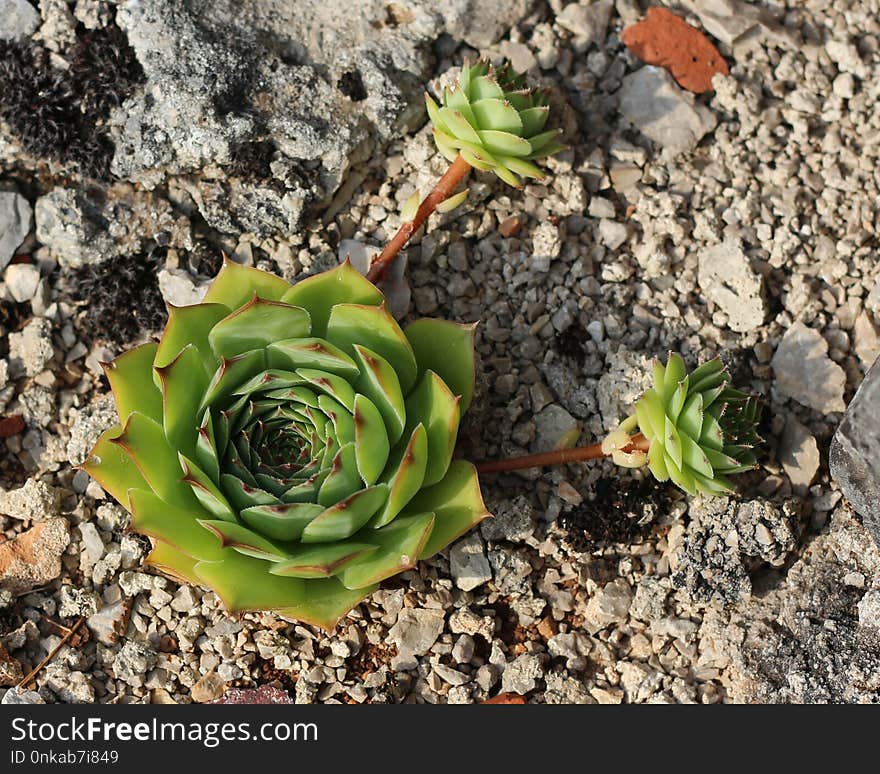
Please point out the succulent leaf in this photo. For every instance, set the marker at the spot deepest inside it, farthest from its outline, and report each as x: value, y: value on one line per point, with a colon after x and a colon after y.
x: 235, y: 285
x: 446, y: 348
x: 189, y: 325
x: 321, y: 561
x: 112, y: 468
x: 143, y: 440
x: 380, y: 383
x: 319, y: 294
x: 291, y: 446
x: 173, y: 563
x: 372, y: 444
x: 405, y: 473
x: 285, y: 521
x: 457, y: 505
x: 245, y: 583
x: 449, y: 204
x: 257, y: 324
x: 183, y: 382
x: 399, y: 547
x: 433, y: 403
x: 492, y: 120
x: 373, y: 327
x: 324, y: 601
x: 342, y: 520
x: 131, y: 379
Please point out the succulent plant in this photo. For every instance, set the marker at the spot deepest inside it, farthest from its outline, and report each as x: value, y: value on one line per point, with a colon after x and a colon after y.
x: 290, y: 446
x: 489, y: 120
x: 494, y: 122
x: 699, y: 430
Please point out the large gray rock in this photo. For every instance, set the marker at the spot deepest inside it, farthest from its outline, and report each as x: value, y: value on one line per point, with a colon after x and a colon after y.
x: 853, y: 456
x: 15, y: 220
x: 652, y: 101
x: 34, y: 557
x: 587, y: 21
x: 416, y: 630
x: 811, y: 639
x: 84, y: 225
x: 727, y: 20
x: 727, y: 278
x: 726, y: 542
x: 803, y: 370
x: 799, y: 454
x: 283, y: 94
x: 18, y: 19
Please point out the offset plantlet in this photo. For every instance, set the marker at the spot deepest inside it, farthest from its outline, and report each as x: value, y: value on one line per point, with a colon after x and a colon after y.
x: 490, y: 120
x: 494, y: 122
x: 693, y: 429
x: 290, y: 446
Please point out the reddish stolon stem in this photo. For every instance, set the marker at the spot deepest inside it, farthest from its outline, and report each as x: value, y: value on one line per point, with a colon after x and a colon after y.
x: 445, y: 186
x: 557, y: 457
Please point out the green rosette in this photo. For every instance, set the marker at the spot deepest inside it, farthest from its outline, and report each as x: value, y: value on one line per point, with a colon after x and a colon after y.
x: 495, y: 122
x: 290, y: 446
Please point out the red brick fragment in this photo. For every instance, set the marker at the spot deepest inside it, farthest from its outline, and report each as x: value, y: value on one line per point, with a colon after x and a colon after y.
x: 510, y: 226
x: 506, y: 698
x: 664, y: 39
x: 10, y: 426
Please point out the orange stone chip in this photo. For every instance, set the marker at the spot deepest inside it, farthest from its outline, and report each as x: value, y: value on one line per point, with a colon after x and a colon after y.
x: 10, y: 426
x: 506, y: 698
x: 664, y: 39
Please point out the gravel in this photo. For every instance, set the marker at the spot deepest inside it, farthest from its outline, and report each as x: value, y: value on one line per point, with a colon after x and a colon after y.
x: 31, y: 349
x: 416, y: 630
x: 520, y: 675
x: 15, y: 211
x: 652, y: 101
x: 799, y: 454
x: 587, y: 22
x: 609, y: 606
x: 35, y: 501
x: 468, y: 564
x: 180, y: 288
x: 22, y: 281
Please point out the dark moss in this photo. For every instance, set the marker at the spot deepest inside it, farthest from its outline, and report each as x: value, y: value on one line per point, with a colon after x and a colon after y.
x: 204, y: 260
x: 621, y: 511
x: 251, y: 160
x: 352, y: 85
x: 60, y: 114
x: 13, y: 316
x: 570, y: 343
x: 123, y: 298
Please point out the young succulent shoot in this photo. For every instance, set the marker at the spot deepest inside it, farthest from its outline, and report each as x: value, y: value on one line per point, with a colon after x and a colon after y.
x: 693, y: 429
x: 290, y: 447
x: 489, y: 120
